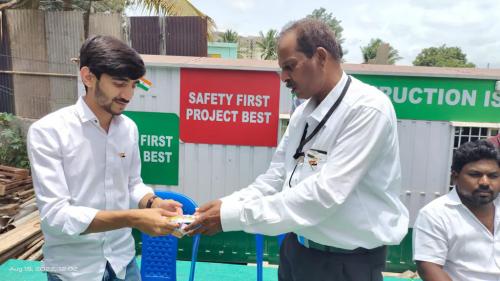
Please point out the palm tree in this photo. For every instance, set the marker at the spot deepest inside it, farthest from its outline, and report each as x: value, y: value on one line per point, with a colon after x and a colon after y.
x: 268, y: 45
x: 370, y: 52
x: 230, y: 36
x: 161, y: 7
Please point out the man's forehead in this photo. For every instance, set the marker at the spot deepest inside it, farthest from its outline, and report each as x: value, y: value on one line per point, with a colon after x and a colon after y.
x: 121, y: 78
x: 287, y: 48
x: 482, y: 164
x: 288, y: 39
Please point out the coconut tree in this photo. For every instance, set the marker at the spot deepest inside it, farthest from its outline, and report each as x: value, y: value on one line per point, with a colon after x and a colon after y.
x: 370, y: 52
x: 230, y: 36
x: 268, y: 44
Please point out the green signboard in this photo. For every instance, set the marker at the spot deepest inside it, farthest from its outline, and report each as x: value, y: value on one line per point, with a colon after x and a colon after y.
x: 159, y: 146
x: 438, y: 98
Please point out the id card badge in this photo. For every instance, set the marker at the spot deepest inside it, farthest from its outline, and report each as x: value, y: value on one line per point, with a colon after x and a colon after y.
x: 315, y: 158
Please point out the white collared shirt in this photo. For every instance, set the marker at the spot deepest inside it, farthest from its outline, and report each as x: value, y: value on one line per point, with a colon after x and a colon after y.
x: 79, y: 169
x: 447, y: 233
x: 347, y: 195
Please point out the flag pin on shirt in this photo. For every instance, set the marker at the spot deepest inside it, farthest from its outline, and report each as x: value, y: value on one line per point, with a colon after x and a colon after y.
x: 144, y: 84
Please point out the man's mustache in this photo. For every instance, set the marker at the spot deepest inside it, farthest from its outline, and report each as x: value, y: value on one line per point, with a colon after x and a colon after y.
x: 483, y: 188
x: 122, y: 100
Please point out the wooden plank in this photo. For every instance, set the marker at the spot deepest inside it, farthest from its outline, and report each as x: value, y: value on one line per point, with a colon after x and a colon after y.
x: 17, y: 189
x: 13, y: 175
x: 4, y: 187
x: 4, y: 179
x: 26, y: 193
x: 22, y: 220
x: 36, y: 256
x: 16, y: 251
x: 32, y: 248
x: 16, y: 236
x: 12, y: 189
x: 9, y: 209
x: 14, y: 170
x: 31, y: 201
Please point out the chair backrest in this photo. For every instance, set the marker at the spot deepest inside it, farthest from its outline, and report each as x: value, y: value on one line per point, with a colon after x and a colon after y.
x: 159, y: 254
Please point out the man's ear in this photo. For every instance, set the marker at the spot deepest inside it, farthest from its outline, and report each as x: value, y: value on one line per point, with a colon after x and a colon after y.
x: 322, y: 54
x: 454, y: 177
x: 88, y: 78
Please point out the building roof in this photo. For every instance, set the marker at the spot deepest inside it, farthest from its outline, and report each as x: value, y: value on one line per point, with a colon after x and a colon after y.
x: 272, y: 65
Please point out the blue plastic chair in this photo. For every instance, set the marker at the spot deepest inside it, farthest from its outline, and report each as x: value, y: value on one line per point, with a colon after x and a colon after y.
x: 259, y: 252
x: 159, y: 254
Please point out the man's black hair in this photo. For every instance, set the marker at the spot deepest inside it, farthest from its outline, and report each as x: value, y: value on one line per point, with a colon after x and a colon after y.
x: 474, y: 151
x: 312, y: 34
x: 106, y: 54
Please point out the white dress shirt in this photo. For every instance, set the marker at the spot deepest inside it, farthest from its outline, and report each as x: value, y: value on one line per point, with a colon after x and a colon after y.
x: 447, y: 233
x: 79, y: 169
x: 349, y: 197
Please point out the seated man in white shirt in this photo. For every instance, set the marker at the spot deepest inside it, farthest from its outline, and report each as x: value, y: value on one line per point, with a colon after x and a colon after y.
x: 457, y: 236
x: 86, y: 173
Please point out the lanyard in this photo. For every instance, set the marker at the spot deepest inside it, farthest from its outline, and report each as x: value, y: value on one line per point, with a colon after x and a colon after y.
x: 304, y: 139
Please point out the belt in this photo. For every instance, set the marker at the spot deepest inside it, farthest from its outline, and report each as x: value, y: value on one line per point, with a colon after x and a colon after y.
x: 317, y: 246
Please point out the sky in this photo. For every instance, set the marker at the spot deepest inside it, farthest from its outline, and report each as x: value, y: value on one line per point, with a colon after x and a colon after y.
x: 407, y: 25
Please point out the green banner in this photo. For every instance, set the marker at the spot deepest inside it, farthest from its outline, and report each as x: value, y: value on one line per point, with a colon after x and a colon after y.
x: 438, y: 98
x: 159, y: 146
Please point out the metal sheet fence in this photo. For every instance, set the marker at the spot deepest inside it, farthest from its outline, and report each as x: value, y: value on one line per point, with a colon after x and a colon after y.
x: 64, y: 36
x: 146, y: 35
x: 29, y: 54
x: 425, y: 152
x: 107, y: 24
x: 186, y: 36
x: 176, y: 36
x: 42, y: 44
x: 6, y: 92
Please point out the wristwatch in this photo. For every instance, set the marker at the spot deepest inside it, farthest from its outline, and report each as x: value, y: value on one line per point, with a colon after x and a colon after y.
x: 150, y: 201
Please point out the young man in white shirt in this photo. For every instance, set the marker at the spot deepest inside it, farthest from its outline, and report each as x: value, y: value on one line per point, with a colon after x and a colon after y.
x: 334, y: 182
x: 456, y: 237
x: 86, y: 173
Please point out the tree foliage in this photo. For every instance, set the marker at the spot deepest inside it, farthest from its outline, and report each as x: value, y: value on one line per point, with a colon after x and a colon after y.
x: 230, y: 36
x: 268, y: 45
x: 334, y: 24
x: 370, y: 51
x: 12, y: 143
x: 442, y: 57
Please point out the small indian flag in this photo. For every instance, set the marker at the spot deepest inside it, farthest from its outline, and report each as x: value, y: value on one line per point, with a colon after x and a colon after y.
x: 144, y: 84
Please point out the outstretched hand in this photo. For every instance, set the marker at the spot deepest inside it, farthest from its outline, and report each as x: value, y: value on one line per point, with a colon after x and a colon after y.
x: 154, y: 222
x: 207, y: 219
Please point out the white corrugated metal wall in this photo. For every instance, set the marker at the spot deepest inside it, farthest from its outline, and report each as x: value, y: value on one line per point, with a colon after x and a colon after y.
x: 26, y: 30
x: 425, y: 151
x: 207, y: 172
x: 64, y: 36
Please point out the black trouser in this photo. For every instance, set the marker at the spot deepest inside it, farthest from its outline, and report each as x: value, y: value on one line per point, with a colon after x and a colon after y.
x: 298, y: 263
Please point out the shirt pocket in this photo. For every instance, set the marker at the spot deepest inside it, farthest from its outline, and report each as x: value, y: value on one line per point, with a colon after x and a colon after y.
x: 314, y: 160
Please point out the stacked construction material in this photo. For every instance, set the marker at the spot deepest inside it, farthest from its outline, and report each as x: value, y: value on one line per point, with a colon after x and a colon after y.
x: 20, y: 234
